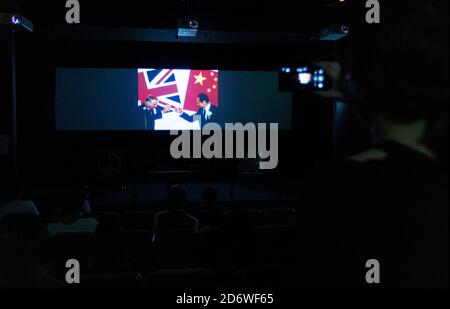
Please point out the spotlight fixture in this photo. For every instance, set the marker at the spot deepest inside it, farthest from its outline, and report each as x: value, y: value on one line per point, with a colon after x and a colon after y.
x: 16, y: 21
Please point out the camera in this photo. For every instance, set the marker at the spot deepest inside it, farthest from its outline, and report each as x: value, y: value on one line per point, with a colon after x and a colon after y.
x: 304, y: 78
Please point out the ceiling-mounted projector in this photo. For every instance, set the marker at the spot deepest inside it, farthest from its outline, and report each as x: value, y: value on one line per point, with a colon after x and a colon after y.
x: 187, y: 28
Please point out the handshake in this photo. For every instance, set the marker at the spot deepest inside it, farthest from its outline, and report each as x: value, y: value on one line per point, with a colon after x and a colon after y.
x: 178, y: 110
x: 169, y: 108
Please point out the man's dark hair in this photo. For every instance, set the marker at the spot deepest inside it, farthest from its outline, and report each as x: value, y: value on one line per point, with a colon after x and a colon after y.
x: 177, y: 196
x: 203, y: 97
x: 401, y: 68
x: 210, y: 195
x: 10, y: 191
x: 71, y: 201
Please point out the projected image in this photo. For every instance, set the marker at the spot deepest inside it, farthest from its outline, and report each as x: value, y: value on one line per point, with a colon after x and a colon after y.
x: 170, y: 99
x: 156, y: 100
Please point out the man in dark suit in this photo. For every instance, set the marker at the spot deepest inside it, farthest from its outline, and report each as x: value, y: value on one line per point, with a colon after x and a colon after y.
x: 152, y: 112
x: 206, y: 113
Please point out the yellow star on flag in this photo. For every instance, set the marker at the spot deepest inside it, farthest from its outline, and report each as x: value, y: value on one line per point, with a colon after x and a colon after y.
x: 199, y: 79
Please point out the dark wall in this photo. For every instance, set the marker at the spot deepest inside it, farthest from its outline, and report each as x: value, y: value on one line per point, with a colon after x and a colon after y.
x: 7, y: 106
x: 59, y: 157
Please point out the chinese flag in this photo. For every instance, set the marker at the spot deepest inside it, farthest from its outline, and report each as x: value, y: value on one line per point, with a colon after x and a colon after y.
x: 202, y: 81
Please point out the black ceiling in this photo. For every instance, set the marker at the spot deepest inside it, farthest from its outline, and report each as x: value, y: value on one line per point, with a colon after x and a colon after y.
x: 244, y: 15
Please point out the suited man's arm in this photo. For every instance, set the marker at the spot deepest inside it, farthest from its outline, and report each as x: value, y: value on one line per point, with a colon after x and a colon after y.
x: 158, y: 114
x: 189, y: 118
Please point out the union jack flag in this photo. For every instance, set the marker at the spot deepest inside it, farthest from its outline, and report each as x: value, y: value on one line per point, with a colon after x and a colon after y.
x: 161, y: 84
